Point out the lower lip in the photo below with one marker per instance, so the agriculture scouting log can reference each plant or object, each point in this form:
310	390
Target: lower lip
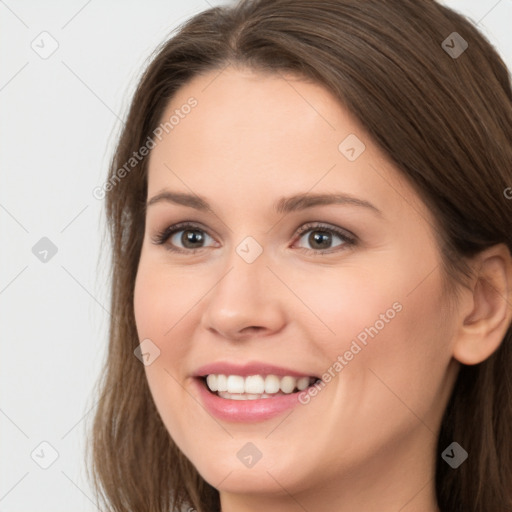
245	410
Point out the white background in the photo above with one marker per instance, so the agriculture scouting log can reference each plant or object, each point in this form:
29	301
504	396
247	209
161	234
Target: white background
58	124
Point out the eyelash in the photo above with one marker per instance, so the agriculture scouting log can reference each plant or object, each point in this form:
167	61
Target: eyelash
161	237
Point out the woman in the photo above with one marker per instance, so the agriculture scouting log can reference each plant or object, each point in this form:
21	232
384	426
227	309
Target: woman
312	276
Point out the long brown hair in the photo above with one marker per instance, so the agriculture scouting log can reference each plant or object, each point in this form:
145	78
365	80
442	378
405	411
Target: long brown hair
445	120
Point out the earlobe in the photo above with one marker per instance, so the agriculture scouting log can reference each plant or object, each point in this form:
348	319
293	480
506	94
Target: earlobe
483	328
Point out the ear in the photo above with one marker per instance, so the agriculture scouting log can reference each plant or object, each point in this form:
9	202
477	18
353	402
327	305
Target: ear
486	313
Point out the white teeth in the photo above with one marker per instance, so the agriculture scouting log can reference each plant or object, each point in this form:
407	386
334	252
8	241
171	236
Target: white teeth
244	396
288	384
211	380
272	384
236	387
302	383
235	396
254	384
236	384
222	383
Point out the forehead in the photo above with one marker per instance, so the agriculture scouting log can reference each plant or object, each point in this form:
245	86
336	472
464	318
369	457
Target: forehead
258	115
259	134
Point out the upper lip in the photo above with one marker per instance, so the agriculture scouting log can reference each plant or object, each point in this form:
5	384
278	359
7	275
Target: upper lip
250	368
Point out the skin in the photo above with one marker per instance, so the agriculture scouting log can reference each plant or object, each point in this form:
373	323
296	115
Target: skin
367	441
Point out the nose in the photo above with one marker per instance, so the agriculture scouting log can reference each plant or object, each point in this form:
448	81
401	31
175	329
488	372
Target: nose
248	301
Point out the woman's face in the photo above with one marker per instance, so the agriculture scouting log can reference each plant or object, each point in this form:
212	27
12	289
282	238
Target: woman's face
277	283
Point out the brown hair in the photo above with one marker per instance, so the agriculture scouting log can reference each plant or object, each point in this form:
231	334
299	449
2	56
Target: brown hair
445	122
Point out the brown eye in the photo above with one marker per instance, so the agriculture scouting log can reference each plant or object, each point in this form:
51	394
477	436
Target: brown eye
183	237
190	238
321	238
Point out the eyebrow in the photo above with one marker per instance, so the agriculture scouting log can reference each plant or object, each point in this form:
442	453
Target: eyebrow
283	205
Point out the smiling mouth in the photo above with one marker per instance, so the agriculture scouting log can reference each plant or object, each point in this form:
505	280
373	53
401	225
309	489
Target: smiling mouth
254	387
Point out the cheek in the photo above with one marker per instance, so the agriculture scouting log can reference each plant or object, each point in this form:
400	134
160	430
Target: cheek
388	337
163	300
399	375
422	345
161	304
345	304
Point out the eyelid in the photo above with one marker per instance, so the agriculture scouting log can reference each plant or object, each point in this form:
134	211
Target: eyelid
341	232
